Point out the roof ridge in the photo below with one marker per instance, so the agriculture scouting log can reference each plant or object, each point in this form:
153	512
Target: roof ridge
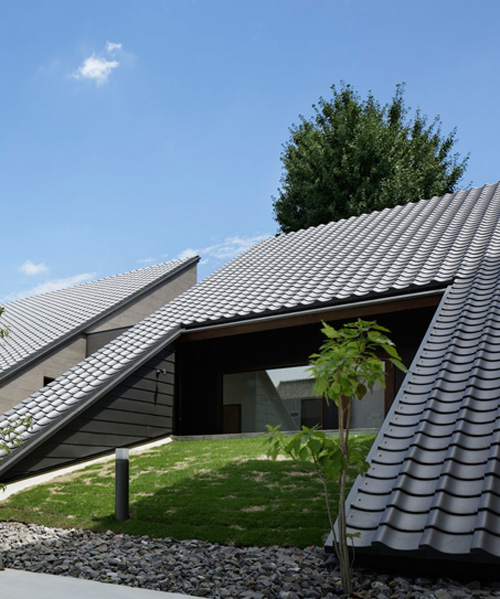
108	278
32	346
388	208
272	277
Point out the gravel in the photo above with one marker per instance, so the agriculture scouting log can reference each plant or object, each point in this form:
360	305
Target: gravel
209	570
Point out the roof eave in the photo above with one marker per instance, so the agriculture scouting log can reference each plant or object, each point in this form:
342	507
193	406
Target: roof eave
28	446
336	305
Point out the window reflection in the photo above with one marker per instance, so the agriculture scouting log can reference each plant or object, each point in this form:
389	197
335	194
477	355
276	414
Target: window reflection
285	396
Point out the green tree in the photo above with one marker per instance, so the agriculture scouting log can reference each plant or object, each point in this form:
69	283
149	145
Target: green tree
350	362
4	330
355	156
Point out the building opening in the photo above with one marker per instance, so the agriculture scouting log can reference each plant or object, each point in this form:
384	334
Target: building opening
285	396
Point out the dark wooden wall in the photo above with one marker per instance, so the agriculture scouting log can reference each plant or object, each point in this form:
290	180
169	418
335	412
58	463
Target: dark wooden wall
202	364
142	407
139	409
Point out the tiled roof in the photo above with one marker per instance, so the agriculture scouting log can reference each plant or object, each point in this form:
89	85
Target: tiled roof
391	250
434	481
383	252
39	323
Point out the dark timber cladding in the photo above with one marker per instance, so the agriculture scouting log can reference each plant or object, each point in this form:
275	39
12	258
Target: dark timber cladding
436	465
138	409
201	363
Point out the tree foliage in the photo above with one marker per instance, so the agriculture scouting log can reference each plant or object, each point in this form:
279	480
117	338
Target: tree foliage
4	330
350	362
355	156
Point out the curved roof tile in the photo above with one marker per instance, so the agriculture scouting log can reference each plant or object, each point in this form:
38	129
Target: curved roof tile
449	404
39	323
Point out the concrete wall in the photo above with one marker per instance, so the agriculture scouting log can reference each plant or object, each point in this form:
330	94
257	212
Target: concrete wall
240	389
52	365
30	380
136	311
270	407
98	340
260	402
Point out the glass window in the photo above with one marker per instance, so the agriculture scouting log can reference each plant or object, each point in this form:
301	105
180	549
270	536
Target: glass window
252	400
370	411
279	396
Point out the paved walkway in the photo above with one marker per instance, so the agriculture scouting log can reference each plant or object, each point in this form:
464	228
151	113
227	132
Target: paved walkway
19	584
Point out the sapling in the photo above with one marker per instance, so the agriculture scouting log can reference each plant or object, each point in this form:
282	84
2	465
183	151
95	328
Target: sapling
351	361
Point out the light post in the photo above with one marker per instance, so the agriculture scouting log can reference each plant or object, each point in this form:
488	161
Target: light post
121	484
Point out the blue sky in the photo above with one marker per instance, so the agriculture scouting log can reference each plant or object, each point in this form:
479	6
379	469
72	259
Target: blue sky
133	131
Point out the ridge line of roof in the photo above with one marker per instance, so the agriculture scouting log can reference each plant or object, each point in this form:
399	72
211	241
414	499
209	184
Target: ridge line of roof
77	330
85	283
450	195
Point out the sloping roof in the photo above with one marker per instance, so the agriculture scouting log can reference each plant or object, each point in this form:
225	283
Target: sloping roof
434	481
37	324
383	252
298	389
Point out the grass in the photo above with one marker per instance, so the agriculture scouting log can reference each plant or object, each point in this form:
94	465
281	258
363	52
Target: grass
223	491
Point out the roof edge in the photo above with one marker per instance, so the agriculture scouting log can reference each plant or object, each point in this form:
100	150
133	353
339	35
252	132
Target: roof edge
317	307
27	447
80	329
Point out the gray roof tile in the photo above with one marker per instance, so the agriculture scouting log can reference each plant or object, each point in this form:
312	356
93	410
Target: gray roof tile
454	455
40	322
448	408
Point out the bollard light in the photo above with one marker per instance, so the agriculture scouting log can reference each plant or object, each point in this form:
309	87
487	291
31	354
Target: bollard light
121	484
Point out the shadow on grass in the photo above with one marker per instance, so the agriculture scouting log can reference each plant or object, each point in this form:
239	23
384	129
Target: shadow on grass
203	490
253	502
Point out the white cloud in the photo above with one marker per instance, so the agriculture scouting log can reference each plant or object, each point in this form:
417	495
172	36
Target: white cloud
225	250
29	268
215	254
96	68
111	47
146	260
187	253
53	285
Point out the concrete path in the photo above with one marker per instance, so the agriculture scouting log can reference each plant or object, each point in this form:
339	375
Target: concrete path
19	584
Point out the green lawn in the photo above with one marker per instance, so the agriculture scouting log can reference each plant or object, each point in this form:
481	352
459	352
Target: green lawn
223	491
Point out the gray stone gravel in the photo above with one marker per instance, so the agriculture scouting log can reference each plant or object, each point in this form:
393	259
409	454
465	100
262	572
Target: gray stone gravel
206	569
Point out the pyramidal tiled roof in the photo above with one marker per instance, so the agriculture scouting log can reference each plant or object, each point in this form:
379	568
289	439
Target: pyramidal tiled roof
37	324
384	252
